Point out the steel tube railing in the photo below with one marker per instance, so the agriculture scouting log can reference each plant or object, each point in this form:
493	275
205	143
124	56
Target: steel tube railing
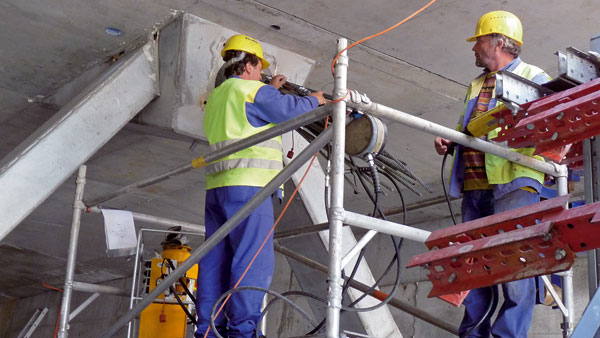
455	136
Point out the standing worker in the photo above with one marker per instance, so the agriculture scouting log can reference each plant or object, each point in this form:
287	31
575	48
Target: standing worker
489	183
238	108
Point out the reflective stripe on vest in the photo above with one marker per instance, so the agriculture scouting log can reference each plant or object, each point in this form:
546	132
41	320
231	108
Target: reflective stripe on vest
265	144
258	163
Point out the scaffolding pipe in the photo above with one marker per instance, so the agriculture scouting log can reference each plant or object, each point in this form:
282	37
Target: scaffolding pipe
416	312
429	127
567	278
158	220
287	234
284	127
386	227
95	288
78	208
334	280
588	188
134	282
224	229
555	295
359	246
83	305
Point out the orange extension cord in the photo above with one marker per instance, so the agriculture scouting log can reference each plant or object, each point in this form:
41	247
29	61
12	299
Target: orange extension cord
380	33
314	157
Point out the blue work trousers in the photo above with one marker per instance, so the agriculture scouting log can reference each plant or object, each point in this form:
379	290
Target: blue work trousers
221	268
514	317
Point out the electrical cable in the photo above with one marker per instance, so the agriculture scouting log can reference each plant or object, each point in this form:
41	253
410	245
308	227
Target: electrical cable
380	33
395	258
377	191
286	294
185	309
182	282
227	295
488	312
450	150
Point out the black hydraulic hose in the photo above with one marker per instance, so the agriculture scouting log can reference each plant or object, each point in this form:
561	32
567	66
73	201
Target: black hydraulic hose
185	309
450	149
396	257
488	312
182	282
253	288
286	294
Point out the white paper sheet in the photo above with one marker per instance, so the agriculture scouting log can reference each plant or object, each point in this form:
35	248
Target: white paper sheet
121	238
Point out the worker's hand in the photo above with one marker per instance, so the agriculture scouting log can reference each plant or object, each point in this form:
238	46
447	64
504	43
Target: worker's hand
320	97
441	145
278	80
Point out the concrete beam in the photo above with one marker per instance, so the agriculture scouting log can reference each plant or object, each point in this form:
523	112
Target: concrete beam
41	163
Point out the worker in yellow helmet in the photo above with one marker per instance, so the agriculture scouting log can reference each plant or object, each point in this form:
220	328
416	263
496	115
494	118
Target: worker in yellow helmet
240	107
490	184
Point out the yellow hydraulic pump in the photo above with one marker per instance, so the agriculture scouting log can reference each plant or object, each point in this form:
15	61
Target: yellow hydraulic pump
166	318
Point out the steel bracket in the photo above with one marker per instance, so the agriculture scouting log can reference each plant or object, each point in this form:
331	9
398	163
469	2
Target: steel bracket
526	242
578	66
516	89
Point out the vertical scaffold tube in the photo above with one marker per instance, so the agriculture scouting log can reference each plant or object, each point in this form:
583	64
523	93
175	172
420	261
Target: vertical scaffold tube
334	302
78	208
567	279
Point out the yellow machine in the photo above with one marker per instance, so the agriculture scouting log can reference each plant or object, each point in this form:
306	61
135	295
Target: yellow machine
167	319
486	122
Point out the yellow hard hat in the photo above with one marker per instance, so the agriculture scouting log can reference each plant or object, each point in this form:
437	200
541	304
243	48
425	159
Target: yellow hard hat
245	44
500	22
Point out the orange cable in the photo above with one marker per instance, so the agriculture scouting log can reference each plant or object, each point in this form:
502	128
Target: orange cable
380	33
269	234
52	287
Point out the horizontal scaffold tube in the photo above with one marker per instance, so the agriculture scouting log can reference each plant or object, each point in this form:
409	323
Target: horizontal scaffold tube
165	222
408	120
386	227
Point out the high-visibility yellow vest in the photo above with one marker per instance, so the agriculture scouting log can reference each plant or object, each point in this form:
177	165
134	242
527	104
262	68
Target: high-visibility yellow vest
225	122
499	170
